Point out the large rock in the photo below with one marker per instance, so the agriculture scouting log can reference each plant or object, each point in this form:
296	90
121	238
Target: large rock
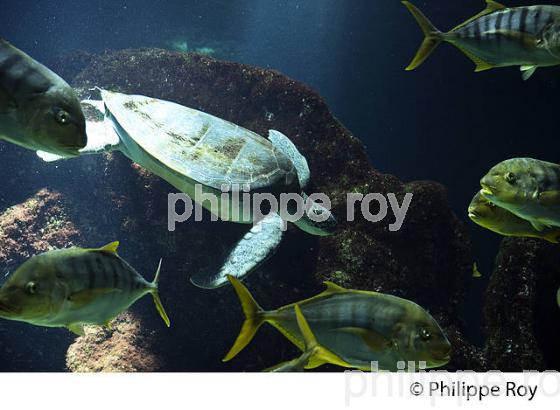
125	347
523	319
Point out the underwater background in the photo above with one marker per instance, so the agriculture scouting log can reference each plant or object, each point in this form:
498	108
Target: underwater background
442	123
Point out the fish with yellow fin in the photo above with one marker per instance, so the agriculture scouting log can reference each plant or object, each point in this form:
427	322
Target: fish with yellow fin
73	287
357	327
475	272
499	36
528	188
312	349
485	213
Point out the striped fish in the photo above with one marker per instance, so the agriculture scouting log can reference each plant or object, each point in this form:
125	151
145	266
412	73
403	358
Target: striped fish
528	37
312	349
75	286
490	216
528	188
38	109
354	327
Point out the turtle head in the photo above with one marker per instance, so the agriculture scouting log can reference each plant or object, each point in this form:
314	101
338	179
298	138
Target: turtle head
317	220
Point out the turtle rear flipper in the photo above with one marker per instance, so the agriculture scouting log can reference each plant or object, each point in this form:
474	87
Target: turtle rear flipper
251	251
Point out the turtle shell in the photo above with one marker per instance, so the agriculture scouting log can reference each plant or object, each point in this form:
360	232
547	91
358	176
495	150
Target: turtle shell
207	149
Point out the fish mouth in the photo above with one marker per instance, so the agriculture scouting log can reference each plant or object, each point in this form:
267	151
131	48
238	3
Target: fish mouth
472	214
487	189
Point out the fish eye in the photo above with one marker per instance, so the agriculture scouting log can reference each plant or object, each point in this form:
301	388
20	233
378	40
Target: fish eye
62	117
425	334
511	177
491	205
31	288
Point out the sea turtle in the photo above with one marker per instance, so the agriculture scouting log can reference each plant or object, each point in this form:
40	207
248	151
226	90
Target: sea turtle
191	149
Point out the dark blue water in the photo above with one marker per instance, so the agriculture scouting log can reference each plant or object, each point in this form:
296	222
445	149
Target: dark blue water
442	122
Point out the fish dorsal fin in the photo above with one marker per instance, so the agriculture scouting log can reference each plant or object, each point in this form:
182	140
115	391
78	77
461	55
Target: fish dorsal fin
110	247
494	5
480	64
87	296
491	7
375	341
333	288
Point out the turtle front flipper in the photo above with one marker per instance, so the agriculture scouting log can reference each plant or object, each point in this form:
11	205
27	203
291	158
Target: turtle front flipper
287	147
251	251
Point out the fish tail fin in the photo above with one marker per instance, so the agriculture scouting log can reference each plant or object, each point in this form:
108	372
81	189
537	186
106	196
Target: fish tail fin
433	37
154	291
254	318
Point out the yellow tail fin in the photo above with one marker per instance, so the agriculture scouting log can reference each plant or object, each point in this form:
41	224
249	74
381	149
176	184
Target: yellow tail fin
254	318
157	300
432	36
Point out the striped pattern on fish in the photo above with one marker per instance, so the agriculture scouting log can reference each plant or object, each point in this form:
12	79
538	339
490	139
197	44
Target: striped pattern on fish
355	327
72	287
527	187
38	109
21	76
528	37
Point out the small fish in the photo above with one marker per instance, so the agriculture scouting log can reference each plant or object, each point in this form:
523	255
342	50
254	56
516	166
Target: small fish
312	349
358	327
528	188
38	109
75	286
475	272
490	216
528	37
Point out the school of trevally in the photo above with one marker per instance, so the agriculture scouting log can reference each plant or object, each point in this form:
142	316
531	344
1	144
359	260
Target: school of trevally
283	186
